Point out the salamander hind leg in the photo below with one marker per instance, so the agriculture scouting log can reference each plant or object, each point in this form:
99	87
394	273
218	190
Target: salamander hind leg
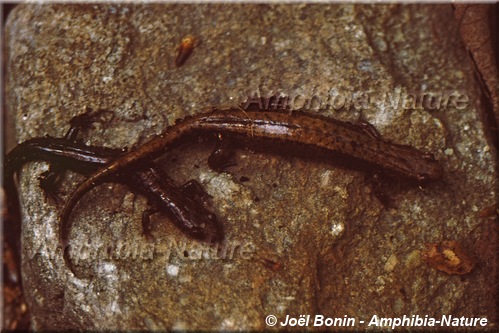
50	180
49	183
86	120
222	155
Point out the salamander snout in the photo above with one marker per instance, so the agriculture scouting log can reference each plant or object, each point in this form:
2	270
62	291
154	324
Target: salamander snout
433	172
209	230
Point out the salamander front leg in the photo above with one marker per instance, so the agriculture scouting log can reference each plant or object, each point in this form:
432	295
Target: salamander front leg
193	190
146	221
368	128
377	184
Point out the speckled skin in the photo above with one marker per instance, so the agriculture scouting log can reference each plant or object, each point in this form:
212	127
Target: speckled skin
300	129
56	59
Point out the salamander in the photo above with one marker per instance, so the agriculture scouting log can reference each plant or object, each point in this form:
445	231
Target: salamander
298	133
150	180
184	205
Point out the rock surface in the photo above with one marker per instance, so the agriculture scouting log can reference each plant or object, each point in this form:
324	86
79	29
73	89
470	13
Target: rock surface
308	237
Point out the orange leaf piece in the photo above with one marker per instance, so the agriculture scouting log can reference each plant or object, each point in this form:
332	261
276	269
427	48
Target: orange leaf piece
448	257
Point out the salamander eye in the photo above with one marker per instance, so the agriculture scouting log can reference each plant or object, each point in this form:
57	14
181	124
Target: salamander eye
429	157
422	177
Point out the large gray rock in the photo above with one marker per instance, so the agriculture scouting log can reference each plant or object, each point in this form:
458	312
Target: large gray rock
309	237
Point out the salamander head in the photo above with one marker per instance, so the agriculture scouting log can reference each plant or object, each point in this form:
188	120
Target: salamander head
208	228
429	169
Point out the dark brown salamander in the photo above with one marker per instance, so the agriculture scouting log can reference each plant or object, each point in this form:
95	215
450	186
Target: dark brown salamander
188	214
292	133
185	205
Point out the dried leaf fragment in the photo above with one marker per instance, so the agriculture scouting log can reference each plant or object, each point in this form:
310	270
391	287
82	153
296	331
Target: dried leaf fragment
448	257
184	50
